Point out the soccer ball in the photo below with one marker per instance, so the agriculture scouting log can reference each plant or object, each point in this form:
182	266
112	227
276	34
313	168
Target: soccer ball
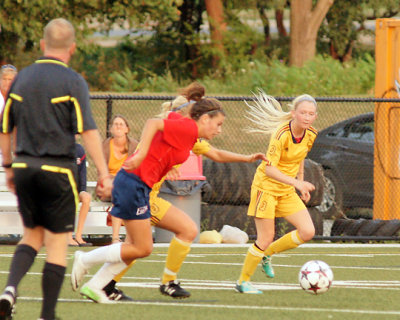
315	277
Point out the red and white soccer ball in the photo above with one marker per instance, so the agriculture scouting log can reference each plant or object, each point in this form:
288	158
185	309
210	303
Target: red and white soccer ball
315	277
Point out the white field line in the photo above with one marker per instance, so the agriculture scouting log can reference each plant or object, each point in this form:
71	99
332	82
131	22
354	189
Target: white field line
277	265
233	307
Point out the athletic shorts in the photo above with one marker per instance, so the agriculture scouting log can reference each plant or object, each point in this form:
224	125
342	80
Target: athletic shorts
130	197
158	207
47	192
267	206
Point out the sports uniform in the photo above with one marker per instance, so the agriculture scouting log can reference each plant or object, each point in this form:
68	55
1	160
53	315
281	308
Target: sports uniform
48	103
271	198
168	148
47	122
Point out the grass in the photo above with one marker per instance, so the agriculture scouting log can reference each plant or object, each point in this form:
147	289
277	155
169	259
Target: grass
366	286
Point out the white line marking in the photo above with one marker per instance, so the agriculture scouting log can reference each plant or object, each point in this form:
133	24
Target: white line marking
225	306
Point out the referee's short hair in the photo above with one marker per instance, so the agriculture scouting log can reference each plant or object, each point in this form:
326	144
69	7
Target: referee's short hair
59	34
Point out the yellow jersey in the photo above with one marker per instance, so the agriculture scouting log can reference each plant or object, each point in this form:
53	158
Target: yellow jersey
286	154
199	148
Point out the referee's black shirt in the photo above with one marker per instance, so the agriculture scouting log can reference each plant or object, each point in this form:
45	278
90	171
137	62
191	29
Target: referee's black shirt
48	103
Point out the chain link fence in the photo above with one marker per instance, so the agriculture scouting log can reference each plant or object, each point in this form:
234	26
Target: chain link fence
343	157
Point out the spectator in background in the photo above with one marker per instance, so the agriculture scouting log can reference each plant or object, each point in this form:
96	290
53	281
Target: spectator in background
116	150
84	198
7	75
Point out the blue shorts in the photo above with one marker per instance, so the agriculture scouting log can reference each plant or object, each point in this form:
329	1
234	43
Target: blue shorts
130	197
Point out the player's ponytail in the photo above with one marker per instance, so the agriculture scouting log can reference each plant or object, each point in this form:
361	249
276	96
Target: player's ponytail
267	114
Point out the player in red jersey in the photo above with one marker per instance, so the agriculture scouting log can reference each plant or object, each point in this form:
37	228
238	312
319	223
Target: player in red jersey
164	143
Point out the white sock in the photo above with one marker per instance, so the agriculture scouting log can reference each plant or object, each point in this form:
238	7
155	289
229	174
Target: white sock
105	274
111	253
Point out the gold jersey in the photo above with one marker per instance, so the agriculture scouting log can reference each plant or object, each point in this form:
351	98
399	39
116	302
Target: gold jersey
286	154
199	148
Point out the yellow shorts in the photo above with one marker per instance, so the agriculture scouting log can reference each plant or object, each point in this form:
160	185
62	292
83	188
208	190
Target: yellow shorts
158	208
267	206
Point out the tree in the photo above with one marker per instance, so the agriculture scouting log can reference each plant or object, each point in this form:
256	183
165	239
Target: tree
345	22
218	26
22	22
305	20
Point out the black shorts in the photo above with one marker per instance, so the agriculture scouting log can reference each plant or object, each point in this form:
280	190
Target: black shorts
47	192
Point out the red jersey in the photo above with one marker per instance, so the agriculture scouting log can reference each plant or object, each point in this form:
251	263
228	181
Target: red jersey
168	148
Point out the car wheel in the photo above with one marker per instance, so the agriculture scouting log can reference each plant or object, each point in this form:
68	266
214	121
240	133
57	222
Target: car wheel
332	200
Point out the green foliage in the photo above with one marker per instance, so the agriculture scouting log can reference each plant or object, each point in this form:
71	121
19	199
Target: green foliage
345	21
322	76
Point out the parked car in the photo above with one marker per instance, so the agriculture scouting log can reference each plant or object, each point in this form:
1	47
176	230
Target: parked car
346	152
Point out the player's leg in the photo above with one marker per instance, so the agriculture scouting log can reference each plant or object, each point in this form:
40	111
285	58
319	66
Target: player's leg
265	233
185	230
23	258
85	199
292	208
53	271
116	226
138	244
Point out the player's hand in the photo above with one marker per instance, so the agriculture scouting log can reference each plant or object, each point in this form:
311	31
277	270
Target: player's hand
132	163
104	187
306	197
173	174
305	188
257	156
10	180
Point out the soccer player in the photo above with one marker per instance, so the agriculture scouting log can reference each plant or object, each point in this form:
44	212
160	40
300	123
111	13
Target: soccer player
167	216
273	190
48	103
164	143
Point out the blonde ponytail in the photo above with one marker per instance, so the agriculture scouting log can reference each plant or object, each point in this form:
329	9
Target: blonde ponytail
266	114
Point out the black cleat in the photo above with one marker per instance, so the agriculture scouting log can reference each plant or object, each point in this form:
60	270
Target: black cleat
174	290
118	295
7	304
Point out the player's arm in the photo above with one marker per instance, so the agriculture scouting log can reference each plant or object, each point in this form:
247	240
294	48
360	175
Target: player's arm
151	127
303	186
300	174
219	155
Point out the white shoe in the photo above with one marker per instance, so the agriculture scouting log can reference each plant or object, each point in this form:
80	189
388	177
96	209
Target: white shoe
78	271
96	295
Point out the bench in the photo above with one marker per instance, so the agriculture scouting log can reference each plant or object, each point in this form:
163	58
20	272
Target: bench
10	220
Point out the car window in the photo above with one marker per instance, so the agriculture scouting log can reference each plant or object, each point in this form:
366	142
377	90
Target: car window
360	131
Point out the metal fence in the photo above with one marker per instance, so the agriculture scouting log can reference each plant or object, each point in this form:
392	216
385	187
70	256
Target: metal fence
348	193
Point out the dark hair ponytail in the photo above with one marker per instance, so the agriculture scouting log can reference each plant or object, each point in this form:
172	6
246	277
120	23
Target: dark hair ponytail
209	106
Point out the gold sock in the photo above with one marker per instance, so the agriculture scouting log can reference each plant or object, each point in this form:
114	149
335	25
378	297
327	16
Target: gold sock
119	276
288	241
177	253
253	258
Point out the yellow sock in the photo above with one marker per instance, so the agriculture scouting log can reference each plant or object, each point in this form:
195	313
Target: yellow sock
288	241
253	258
177	253
119	276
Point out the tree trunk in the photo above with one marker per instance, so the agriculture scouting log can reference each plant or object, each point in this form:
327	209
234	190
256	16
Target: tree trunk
279	23
265	21
304	24
218	26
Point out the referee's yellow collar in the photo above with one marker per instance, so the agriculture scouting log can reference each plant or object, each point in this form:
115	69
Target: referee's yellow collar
50	60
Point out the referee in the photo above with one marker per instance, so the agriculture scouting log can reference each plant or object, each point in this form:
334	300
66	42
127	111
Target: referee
47	105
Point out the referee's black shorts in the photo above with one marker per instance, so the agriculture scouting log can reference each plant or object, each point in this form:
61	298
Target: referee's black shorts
47	192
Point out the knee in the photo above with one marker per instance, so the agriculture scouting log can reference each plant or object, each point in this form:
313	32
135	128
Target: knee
264	241
307	234
146	250
85	197
189	233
